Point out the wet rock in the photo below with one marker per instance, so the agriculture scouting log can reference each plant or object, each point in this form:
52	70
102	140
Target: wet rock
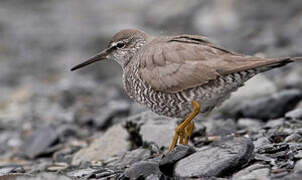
166	165
271	107
295	114
255	171
218	159
113	142
142	169
40	141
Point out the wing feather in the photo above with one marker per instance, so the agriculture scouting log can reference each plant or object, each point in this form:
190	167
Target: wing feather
181	62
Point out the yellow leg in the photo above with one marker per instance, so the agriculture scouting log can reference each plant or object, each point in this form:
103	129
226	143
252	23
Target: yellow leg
180	130
188	131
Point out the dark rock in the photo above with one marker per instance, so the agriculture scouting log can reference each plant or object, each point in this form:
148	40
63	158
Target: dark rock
166	165
142	169
271	107
219	159
40	141
295	114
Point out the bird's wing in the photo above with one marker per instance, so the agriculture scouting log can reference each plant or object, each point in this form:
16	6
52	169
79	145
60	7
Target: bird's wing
186	61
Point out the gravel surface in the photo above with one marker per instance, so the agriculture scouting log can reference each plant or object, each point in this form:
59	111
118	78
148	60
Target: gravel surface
57	124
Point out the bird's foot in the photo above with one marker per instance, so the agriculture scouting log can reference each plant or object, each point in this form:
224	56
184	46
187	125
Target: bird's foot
184	131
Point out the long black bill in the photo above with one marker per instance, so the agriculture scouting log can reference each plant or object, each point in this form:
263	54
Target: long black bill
100	56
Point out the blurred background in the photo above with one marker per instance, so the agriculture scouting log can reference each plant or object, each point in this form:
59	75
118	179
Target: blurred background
40	40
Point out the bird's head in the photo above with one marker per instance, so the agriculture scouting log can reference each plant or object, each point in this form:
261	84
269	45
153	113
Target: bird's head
121	48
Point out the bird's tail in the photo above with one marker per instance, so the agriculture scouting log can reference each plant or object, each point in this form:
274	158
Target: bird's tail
279	62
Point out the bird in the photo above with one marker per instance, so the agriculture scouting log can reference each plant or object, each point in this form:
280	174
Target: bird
180	76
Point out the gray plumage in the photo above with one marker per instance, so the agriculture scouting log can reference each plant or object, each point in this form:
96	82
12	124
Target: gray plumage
167	73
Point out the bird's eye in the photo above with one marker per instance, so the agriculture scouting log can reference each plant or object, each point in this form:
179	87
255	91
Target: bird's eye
120	45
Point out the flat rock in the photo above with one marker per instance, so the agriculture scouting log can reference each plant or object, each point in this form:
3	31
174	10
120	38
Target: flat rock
129	158
295	114
179	152
113	142
271	107
142	169
39	142
11	169
218	159
255	171
44	176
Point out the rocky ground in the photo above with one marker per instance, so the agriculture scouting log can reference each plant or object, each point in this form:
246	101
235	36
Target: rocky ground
57	124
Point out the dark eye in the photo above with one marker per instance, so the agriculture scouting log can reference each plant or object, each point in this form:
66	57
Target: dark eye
120	45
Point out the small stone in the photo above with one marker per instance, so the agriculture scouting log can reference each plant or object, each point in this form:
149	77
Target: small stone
11	169
40	141
65	155
142	169
57	167
295	114
113	142
293	138
298	155
260	142
218	159
180	152
81	173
